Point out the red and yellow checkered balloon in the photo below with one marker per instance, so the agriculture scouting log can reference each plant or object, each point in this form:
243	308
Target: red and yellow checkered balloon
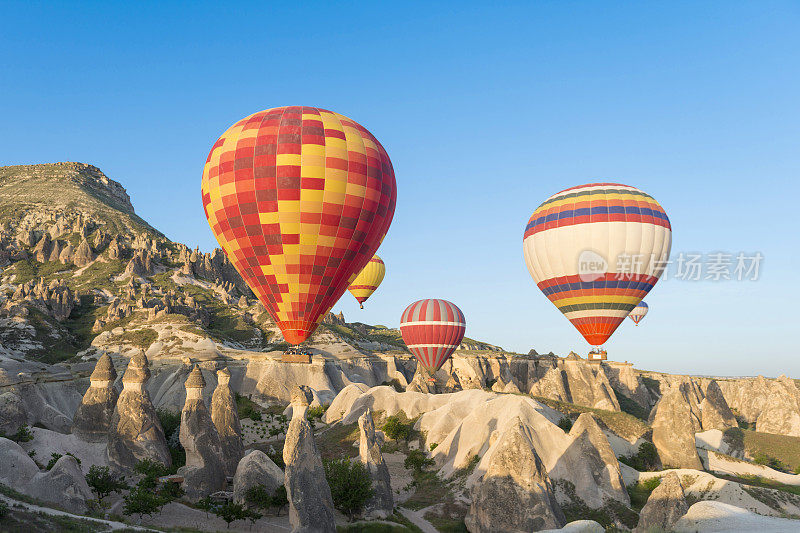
299	198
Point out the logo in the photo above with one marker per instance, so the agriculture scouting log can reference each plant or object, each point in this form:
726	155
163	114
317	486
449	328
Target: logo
591	265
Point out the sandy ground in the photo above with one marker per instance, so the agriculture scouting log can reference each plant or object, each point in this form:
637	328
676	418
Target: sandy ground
399	476
178	515
708	517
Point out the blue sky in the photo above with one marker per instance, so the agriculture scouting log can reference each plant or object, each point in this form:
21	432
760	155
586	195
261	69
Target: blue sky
485	111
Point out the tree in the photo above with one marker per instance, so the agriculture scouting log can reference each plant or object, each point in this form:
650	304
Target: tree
103	482
231	512
395	429
259	497
143	501
417	461
350	483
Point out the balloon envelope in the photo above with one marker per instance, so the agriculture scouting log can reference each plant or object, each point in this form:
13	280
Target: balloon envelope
639	312
595	251
432	329
299	198
368	280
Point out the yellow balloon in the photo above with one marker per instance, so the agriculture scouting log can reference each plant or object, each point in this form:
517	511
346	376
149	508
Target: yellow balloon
368	280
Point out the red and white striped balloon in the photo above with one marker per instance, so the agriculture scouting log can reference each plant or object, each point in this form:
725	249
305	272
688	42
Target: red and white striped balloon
432	329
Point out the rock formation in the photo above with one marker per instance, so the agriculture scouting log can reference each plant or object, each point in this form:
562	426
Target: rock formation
63	485
12	413
310	502
515	493
254	469
17	467
673	431
781	411
381	504
135	432
714	410
93	418
226	420
204	472
599	479
665	506
83	254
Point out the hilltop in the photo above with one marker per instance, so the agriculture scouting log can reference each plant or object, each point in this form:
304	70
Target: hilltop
82	273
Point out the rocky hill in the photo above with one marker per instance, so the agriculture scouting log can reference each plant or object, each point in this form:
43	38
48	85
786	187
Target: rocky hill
82	273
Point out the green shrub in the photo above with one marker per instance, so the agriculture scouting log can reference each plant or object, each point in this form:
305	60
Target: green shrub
396	429
151	471
433	445
142	501
260	497
315	413
23	434
170	421
103	482
417	461
54	457
3	509
644	460
565	423
350	483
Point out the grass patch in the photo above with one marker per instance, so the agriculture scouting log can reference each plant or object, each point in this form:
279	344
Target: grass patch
337	441
30	269
142	337
623	424
640	491
628	405
782	451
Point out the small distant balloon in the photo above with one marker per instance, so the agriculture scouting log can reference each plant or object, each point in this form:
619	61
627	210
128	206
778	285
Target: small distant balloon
368	280
639	312
432	329
595	251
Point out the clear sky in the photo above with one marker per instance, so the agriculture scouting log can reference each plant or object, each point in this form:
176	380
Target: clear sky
485	112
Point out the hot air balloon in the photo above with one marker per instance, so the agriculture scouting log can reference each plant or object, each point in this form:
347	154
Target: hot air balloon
639	312
595	251
299	198
432	329
368	280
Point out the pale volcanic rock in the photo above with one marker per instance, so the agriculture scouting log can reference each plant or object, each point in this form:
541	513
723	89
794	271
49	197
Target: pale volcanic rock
421	382
714	410
226	420
17	467
665	506
381	505
600	479
310	502
781	411
93	418
255	468
673	431
66	254
515	494
43	249
12	413
83	254
204	472
135	432
63	485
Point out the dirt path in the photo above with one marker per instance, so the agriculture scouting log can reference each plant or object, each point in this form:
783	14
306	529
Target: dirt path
54	512
416	518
